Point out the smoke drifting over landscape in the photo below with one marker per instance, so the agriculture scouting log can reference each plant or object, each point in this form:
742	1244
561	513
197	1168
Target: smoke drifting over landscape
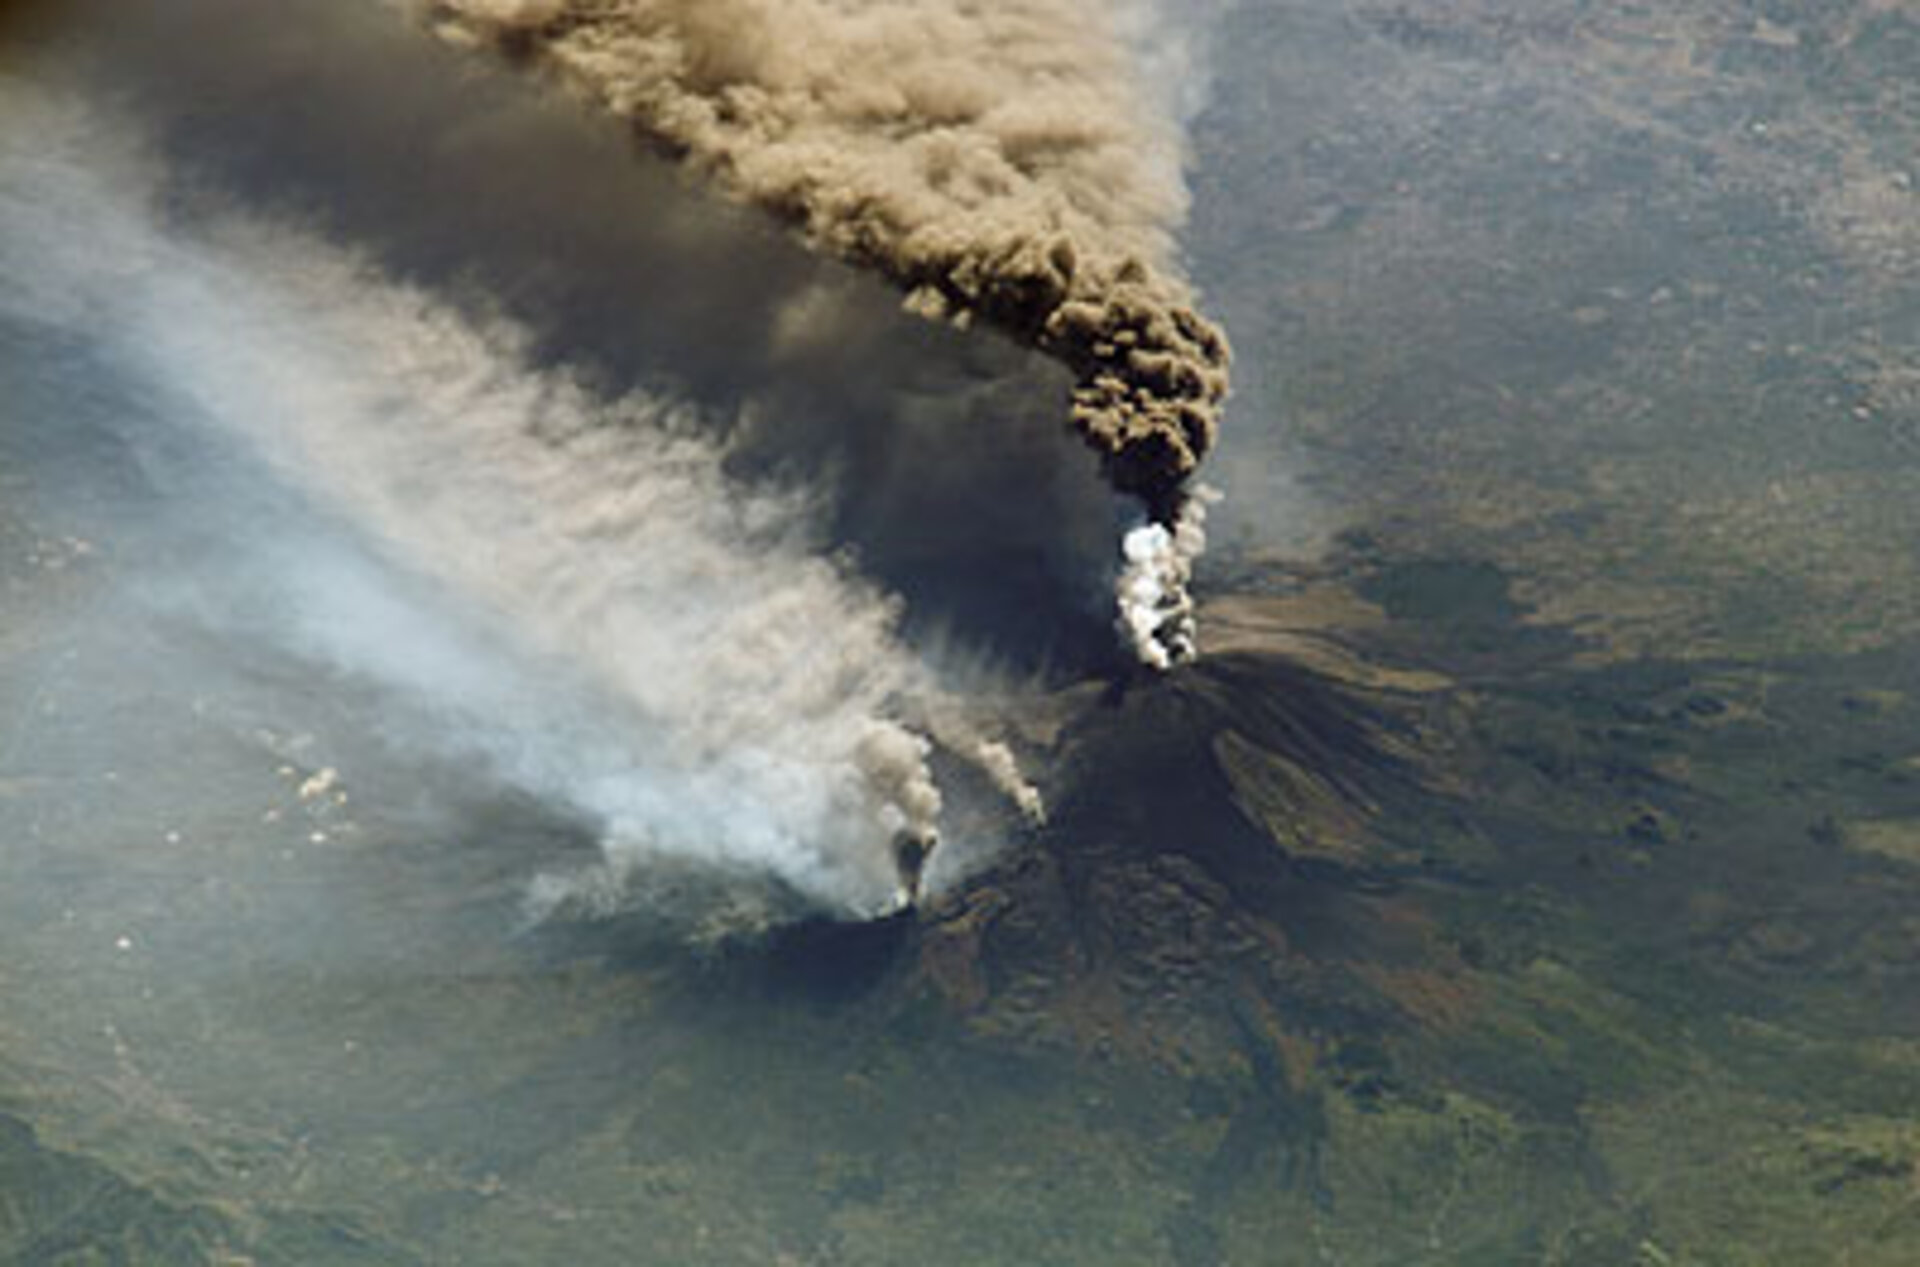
595	611
622	497
1000	162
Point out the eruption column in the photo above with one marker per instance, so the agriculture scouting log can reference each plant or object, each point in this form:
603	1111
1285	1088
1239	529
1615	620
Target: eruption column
997	161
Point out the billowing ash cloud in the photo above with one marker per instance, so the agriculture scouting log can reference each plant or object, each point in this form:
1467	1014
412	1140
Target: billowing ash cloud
995	160
939	451
641	505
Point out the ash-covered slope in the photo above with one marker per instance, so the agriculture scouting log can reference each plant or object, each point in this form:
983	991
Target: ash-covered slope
1218	854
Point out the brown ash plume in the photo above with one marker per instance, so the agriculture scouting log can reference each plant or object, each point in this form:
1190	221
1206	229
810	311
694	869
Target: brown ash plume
994	160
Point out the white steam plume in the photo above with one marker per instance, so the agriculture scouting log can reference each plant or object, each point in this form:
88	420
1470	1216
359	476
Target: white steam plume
596	611
1156	607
